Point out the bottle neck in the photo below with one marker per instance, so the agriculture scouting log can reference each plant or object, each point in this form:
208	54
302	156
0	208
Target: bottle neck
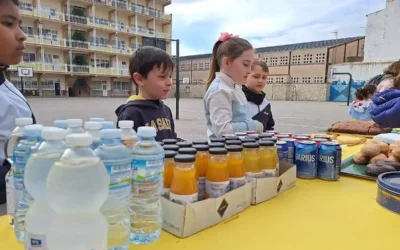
111	141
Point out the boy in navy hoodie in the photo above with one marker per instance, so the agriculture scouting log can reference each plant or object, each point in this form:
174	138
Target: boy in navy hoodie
151	70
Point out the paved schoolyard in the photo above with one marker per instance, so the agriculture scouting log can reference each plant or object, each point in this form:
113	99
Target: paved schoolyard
296	117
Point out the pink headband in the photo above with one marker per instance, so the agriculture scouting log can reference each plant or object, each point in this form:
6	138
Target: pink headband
225	36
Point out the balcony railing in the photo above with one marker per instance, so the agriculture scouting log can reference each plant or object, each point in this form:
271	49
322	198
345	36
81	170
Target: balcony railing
78	68
46	41
39	66
78	44
76	19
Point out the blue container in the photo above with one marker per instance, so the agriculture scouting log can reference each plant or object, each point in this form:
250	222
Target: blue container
329	161
291	143
283	151
389	191
306	159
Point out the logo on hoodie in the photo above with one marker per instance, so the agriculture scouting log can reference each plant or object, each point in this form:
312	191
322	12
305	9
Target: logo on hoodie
160	124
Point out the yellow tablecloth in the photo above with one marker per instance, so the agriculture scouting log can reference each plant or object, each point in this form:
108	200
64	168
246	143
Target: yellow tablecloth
314	215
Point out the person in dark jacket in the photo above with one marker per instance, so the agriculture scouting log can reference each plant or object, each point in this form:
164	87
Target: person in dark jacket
259	107
386	107
151	70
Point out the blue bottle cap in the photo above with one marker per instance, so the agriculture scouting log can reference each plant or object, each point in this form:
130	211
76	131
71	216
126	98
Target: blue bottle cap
147	132
390	181
110	133
34	130
107	125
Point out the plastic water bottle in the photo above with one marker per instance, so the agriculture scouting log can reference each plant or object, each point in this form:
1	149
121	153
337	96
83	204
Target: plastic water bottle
96	119
93	128
118	161
75	126
76	188
61	124
128	135
107	125
147	181
28	145
12	141
40	215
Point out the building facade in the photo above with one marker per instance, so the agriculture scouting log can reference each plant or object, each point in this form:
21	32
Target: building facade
303	63
82	47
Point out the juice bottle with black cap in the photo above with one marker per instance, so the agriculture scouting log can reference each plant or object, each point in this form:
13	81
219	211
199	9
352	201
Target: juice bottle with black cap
201	165
217	176
184	184
169	167
251	160
237	174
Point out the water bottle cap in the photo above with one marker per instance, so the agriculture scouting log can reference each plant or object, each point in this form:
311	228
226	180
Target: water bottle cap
110	133
125	124
34	130
147	132
96	119
92	125
107	125
79	140
75	122
52	133
61	123
23	121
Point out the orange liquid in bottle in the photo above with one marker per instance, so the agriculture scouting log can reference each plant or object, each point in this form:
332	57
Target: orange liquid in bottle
237	174
267	162
184	184
251	160
201	165
169	167
217	176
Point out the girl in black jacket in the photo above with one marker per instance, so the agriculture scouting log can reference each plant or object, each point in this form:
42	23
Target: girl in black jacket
259	107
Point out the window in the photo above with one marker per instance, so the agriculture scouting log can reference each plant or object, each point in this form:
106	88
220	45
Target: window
48	58
182	67
48	84
320	58
29	57
307	59
122	86
284	60
270	80
100	21
100	41
26	6
306	79
279	79
98	85
49	34
295	80
274	60
188	66
194	66
318	79
31	84
296	59
28	31
100	63
135	45
201	66
265	59
207	65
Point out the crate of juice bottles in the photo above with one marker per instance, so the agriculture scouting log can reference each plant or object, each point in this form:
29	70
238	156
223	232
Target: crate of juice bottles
204	184
268	160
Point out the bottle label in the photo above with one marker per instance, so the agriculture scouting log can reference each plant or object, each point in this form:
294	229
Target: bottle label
10	190
35	242
120	179
255	175
165	193
183	199
269	173
237	182
217	189
148	170
201	187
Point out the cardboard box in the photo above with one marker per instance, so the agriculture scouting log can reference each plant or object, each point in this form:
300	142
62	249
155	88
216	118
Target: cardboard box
183	221
267	188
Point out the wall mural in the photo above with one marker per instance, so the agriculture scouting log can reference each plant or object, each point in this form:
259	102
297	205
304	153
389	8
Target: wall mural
338	90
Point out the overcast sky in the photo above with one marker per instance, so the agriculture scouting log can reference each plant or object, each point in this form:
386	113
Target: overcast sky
198	23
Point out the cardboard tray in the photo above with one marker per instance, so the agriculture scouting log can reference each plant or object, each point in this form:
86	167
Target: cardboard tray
267	188
352	169
183	221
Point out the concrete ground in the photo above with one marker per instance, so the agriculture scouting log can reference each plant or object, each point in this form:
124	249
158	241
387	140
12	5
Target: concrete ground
295	117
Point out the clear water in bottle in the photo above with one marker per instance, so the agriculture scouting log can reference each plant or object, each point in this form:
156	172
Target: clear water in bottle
61	124
118	161
12	141
128	135
93	128
28	145
40	215
76	188
75	126
147	181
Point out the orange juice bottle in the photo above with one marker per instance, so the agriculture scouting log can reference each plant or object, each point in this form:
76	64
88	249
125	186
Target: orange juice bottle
187	151
237	175
169	167
184	184
267	158
217	176
251	160
201	165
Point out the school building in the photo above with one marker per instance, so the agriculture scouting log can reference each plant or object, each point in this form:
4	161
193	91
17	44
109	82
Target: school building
295	69
82	47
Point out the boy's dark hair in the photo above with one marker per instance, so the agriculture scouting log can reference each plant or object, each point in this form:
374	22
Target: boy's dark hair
146	58
16	2
364	92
